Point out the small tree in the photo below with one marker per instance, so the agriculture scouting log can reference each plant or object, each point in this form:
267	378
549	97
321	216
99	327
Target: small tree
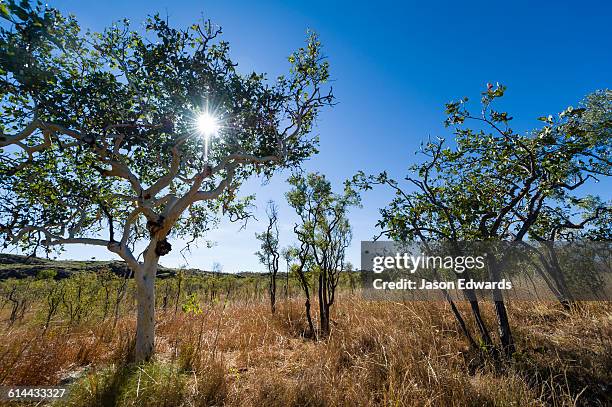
496	184
288	254
572	219
268	254
217	268
349	269
324	231
100	143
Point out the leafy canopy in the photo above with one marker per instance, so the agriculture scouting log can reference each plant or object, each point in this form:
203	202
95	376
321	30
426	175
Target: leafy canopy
495	183
97	130
324	227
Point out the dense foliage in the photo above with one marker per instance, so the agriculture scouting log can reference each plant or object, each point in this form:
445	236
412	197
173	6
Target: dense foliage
98	129
496	183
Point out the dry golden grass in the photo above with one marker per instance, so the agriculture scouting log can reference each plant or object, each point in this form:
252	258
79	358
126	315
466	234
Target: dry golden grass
379	353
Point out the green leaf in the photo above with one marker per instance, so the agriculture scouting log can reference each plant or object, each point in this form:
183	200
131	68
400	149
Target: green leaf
4	11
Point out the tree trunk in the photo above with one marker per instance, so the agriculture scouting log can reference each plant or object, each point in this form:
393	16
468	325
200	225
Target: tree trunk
272	290
553	286
287	282
326	330
145	296
460	320
304	283
566	299
309	316
482	328
503	324
273	294
470	295
505	333
323	305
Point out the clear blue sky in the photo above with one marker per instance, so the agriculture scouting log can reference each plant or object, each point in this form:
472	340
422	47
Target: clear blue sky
394	65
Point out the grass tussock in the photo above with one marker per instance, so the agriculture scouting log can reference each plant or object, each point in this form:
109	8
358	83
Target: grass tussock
152	384
378	354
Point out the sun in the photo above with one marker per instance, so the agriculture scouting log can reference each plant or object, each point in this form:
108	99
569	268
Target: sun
207	124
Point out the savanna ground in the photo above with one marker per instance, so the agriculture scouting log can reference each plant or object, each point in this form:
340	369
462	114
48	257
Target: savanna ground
218	344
